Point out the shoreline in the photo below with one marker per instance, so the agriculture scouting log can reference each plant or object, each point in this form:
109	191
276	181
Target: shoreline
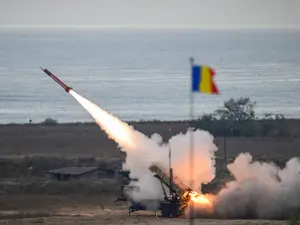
147	121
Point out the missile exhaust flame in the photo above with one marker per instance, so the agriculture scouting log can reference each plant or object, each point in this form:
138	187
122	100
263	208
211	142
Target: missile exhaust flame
200	199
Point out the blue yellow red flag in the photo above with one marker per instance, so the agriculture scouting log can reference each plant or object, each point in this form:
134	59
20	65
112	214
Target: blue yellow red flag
202	80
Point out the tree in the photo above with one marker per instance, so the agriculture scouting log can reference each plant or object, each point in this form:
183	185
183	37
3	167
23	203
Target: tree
49	121
237	109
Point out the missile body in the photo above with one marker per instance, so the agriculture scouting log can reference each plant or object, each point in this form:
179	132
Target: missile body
55	78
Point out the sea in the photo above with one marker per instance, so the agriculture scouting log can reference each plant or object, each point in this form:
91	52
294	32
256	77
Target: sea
144	74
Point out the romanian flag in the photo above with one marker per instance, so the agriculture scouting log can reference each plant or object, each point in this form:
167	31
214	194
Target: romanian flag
202	80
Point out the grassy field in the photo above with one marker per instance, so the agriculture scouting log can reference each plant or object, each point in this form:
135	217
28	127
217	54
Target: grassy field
28	151
87	140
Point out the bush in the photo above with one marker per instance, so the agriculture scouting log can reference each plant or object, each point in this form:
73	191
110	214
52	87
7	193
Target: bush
49	121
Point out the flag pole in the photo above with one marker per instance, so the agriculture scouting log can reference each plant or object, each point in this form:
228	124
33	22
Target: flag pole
170	170
191	138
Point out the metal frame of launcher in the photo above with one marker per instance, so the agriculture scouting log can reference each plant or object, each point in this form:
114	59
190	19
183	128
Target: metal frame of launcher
173	205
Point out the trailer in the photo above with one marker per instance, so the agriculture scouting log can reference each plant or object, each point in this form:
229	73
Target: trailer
174	204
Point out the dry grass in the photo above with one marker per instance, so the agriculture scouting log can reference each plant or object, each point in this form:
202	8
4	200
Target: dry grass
35	202
36	209
266	147
127	220
87	140
82	210
87	187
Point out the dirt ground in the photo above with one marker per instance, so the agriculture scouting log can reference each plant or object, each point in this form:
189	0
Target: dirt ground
126	220
110	215
83	210
88	210
85	140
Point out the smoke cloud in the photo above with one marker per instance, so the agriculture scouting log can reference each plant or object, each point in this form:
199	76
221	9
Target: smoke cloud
204	157
259	190
142	151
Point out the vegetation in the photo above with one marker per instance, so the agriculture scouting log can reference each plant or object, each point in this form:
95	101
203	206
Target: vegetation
237	117
34	186
28	175
49	121
37	166
294	221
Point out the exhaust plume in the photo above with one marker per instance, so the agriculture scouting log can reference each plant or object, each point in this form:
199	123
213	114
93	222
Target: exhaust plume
142	151
259	190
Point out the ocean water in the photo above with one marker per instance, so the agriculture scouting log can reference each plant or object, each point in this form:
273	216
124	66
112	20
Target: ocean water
144	74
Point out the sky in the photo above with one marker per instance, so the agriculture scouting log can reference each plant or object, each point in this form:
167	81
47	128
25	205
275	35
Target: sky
200	13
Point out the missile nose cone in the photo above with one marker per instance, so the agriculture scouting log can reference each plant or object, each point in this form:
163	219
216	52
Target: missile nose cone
42	68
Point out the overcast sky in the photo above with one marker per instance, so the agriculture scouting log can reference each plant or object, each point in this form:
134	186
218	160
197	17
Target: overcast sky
208	13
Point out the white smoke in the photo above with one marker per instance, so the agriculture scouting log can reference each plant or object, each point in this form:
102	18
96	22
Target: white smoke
204	169
260	190
204	157
142	151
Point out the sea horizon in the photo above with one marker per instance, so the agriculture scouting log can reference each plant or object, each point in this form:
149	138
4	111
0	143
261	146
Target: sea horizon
144	75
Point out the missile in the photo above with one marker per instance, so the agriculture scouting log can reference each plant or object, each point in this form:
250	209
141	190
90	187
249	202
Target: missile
57	80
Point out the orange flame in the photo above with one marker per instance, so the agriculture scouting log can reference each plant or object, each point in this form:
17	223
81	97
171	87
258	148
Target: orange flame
200	199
